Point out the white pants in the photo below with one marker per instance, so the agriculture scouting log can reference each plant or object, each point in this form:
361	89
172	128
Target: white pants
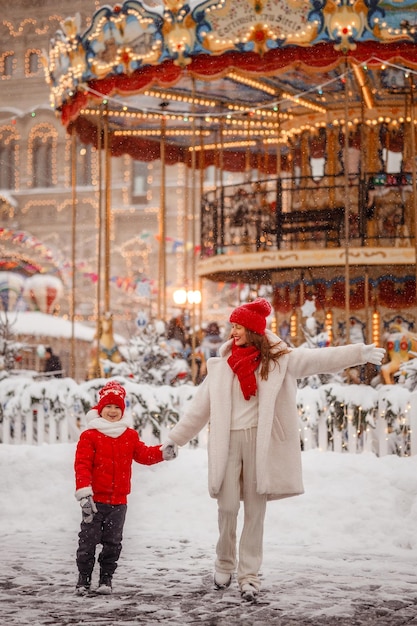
240	479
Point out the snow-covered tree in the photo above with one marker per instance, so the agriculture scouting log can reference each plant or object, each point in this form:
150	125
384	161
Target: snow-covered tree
148	359
407	374
9	347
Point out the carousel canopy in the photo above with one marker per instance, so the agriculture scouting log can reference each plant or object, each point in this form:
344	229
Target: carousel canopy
247	76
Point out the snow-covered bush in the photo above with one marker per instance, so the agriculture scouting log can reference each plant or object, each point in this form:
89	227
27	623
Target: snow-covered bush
149	359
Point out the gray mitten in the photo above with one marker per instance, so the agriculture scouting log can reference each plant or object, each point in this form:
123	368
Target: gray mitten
169	450
88	508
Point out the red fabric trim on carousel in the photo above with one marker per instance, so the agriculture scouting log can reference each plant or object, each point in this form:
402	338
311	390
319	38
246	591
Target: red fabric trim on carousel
319	57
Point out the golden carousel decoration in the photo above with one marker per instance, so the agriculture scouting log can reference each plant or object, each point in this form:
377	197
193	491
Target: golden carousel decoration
311	104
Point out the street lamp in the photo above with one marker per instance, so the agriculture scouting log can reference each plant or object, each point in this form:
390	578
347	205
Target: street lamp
182	297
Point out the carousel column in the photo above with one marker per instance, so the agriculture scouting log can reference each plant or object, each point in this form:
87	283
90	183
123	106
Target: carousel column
362	193
332	149
162	230
73	252
408	158
107	213
305	173
305	166
202	159
248	164
218	195
347	207
195	299
279	192
368	316
221	182
186	222
413	168
372	166
94	366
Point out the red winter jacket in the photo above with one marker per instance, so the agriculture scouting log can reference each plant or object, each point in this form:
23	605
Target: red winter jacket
105	463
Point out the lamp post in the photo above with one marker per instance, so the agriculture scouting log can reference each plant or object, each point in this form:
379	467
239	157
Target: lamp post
182	298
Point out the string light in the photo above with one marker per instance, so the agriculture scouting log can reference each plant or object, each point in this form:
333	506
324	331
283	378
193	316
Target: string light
252	82
293	325
219	146
376	327
329	325
178	132
175	96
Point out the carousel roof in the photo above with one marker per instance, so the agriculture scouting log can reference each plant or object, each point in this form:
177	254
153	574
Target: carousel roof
250	74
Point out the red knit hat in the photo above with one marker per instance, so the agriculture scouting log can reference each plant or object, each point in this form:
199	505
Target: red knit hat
111	393
252	315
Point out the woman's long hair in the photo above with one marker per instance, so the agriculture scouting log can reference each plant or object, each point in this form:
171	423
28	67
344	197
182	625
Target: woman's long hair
270	352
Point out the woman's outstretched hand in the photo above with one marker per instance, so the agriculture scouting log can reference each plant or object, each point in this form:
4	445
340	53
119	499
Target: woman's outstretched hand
373	354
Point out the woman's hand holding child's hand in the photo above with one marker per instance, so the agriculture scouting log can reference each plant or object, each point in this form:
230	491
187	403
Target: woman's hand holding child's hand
169	450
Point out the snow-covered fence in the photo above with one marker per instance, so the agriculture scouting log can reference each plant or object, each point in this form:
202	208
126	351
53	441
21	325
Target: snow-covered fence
359	418
53	411
332	417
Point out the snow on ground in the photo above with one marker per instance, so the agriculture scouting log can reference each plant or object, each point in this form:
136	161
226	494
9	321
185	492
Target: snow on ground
343	553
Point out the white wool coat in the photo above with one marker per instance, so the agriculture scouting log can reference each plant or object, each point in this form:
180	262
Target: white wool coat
278	449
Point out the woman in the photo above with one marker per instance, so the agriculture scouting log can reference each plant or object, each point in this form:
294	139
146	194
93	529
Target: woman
249	397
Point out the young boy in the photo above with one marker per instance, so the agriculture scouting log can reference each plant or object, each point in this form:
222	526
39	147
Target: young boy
103	469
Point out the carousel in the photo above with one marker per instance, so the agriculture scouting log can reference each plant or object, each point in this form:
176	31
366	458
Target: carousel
310	104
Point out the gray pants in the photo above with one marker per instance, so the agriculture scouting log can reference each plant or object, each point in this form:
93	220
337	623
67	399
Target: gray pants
107	529
240	480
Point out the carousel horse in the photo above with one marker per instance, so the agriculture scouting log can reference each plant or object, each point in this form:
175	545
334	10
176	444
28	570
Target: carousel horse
401	347
107	348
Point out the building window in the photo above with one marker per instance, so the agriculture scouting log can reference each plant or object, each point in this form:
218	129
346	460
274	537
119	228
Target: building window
42	162
7	165
84	165
32	62
42	155
7	64
139	181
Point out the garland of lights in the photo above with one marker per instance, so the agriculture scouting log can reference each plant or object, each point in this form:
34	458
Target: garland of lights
22	238
233	117
267	109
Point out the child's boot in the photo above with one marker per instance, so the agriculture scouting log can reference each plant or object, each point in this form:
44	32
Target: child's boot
83	585
104	586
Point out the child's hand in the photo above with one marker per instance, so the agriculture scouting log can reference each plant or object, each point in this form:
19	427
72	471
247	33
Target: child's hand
88	508
169	450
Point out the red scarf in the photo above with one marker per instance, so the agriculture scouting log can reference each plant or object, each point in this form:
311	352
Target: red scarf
244	361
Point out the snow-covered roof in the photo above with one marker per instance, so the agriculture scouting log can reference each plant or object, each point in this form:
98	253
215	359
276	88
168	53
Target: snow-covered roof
40	324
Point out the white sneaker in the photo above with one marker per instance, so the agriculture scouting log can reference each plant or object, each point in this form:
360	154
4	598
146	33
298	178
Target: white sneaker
222	580
248	592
